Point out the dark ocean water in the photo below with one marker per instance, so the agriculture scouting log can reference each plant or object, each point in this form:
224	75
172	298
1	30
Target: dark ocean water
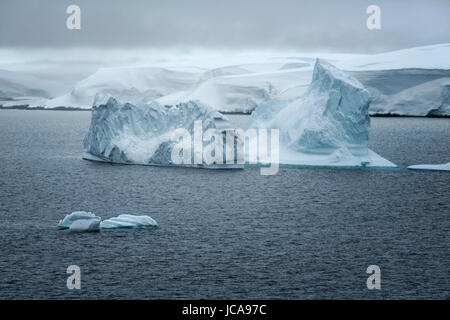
303	233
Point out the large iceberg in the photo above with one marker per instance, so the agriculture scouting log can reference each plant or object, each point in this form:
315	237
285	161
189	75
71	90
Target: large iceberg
144	133
327	126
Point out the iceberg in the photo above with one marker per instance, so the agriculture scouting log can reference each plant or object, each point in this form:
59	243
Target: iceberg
327	126
85	225
128	221
80	221
439	167
144	133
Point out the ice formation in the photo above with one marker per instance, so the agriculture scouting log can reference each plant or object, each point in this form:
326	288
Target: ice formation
439	167
80	221
413	82
327	126
144	134
133	84
409	82
410	92
128	221
85	225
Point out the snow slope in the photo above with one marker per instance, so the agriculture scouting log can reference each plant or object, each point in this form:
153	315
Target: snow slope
410	82
327	126
130	84
228	88
16	85
426	57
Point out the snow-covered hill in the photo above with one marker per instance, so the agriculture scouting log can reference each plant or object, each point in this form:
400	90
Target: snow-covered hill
15	85
412	82
21	88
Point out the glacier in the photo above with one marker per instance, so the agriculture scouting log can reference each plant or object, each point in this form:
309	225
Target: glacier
408	82
437	167
143	133
327	126
132	84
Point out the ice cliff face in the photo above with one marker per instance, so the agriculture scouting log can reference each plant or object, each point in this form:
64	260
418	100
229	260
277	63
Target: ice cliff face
409	82
143	134
328	125
408	92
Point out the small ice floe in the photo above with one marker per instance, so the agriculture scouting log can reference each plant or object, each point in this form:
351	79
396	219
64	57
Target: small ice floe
128	221
80	221
440	167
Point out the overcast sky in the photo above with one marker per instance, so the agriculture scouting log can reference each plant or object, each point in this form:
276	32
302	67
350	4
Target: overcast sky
319	25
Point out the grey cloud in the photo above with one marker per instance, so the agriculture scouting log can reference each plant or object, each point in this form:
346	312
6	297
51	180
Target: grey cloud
326	25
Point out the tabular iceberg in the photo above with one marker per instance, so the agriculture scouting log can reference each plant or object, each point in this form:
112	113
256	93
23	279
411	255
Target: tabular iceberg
327	126
80	221
144	133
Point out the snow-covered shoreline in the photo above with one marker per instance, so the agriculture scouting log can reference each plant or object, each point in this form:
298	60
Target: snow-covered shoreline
409	82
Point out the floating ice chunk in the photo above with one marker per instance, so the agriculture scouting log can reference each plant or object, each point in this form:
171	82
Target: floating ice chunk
128	221
81	221
440	167
85	225
328	126
76	216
